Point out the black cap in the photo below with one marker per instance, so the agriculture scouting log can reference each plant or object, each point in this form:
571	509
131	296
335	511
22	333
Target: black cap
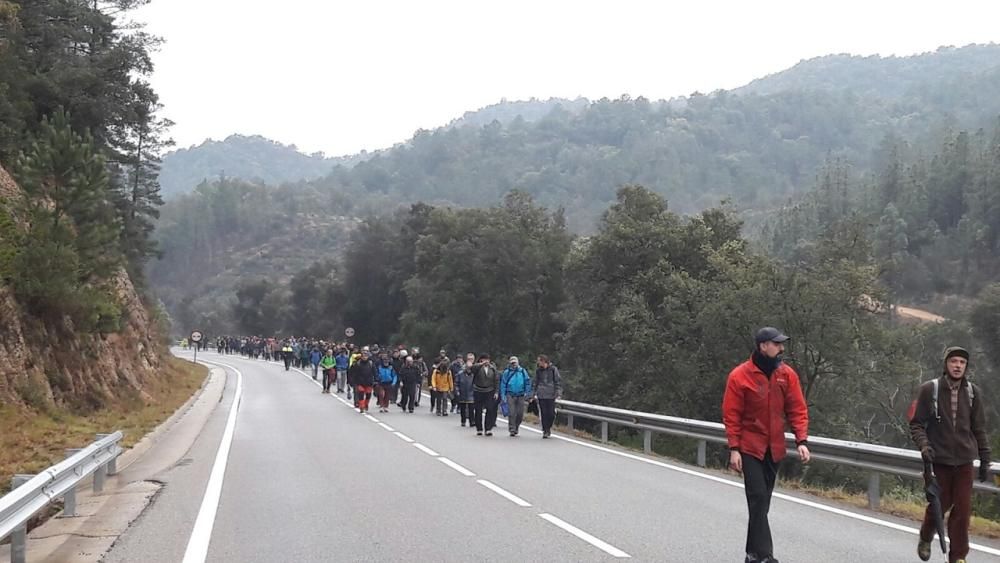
770	334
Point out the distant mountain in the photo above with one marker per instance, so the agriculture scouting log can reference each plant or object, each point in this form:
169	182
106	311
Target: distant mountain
885	77
506	112
251	158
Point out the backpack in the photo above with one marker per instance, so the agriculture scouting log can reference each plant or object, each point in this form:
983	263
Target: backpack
936	384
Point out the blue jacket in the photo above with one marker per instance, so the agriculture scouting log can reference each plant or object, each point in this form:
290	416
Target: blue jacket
387	375
515	382
463	386
315	357
343	360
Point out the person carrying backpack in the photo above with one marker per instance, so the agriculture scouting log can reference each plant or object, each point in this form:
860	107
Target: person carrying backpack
362	376
547	388
385	382
314	358
328	365
515	388
948	425
442	386
463	389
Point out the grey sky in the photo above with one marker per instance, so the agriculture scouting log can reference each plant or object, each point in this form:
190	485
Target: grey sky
342	76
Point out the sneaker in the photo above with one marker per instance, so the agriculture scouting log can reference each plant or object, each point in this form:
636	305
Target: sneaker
489	433
545	435
463	425
513	434
411	411
444	414
479	432
924	550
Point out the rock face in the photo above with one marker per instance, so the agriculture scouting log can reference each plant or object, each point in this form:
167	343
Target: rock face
41	364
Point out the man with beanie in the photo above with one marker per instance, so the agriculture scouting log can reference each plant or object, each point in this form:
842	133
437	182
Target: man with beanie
762	394
948	424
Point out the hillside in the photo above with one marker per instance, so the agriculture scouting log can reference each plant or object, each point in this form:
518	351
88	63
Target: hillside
252	158
756	150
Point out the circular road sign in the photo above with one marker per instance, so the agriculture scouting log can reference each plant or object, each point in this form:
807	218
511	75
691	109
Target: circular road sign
196	336
349	332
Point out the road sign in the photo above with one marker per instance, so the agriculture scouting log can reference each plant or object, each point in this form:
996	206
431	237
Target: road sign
196	336
349	332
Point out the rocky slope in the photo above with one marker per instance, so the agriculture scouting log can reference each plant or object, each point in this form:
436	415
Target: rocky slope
43	365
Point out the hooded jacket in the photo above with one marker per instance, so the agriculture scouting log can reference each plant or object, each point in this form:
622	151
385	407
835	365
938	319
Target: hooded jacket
361	373
442	381
515	381
463	386
955	441
548	384
387	375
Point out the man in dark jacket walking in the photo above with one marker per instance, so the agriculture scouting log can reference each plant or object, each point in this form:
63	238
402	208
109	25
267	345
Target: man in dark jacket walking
547	388
361	376
948	424
486	394
409	375
761	394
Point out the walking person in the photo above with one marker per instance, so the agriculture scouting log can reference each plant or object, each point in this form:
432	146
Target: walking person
762	394
361	376
385	383
286	355
463	390
455	367
547	388
442	385
515	388
948	424
410	376
342	363
425	374
486	394
315	356
329	366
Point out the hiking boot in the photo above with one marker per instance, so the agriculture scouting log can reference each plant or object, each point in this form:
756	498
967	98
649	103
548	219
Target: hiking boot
924	550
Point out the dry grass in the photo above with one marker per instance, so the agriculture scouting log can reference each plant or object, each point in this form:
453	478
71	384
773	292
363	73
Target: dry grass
32	441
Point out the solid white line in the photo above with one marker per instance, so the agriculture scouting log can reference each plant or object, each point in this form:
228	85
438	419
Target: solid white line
456	466
371	418
387	427
201	535
404	437
425	449
599	544
505	494
782	496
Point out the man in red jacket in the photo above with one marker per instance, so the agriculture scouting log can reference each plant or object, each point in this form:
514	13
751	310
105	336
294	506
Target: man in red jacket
761	394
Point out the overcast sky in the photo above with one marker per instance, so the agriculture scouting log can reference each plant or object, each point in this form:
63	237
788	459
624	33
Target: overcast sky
340	76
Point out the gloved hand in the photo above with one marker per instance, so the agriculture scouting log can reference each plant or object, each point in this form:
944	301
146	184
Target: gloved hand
927	453
984	469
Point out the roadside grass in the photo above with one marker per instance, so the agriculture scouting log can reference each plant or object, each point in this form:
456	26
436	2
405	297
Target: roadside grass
35	439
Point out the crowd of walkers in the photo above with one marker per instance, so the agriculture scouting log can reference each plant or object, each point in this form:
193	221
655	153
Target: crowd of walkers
471	387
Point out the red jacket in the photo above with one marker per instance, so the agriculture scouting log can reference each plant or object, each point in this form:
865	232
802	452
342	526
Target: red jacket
754	410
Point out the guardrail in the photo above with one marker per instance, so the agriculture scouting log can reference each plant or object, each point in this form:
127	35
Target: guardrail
32	493
877	459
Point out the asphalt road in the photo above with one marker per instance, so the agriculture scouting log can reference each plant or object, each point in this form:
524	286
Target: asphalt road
309	479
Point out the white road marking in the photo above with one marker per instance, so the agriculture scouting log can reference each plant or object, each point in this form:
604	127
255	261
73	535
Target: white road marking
404	437
505	494
456	466
426	450
372	418
386	426
596	542
201	535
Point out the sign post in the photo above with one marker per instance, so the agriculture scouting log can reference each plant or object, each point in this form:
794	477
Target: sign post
196	337
349	332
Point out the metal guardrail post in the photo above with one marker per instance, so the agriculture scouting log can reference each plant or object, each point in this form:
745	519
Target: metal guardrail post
99	475
874	490
647	441
569	421
19	539
69	499
702	445
113	464
604	431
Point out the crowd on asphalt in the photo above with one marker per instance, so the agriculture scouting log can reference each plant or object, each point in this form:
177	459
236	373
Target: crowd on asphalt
470	386
763	395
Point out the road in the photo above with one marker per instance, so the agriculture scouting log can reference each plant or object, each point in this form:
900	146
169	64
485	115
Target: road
308	478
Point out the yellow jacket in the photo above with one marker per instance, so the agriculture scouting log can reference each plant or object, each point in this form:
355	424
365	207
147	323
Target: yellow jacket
442	381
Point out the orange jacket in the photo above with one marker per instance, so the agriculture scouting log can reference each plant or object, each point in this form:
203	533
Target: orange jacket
442	381
755	408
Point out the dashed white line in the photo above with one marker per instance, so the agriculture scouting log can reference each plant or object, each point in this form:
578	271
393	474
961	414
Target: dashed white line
505	494
596	542
404	437
426	450
387	427
456	466
371	418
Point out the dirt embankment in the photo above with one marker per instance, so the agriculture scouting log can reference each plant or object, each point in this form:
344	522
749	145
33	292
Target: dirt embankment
919	315
43	366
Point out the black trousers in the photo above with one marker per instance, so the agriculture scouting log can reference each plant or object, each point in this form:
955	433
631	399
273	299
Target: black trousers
758	479
466	410
409	396
486	405
547	411
327	380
